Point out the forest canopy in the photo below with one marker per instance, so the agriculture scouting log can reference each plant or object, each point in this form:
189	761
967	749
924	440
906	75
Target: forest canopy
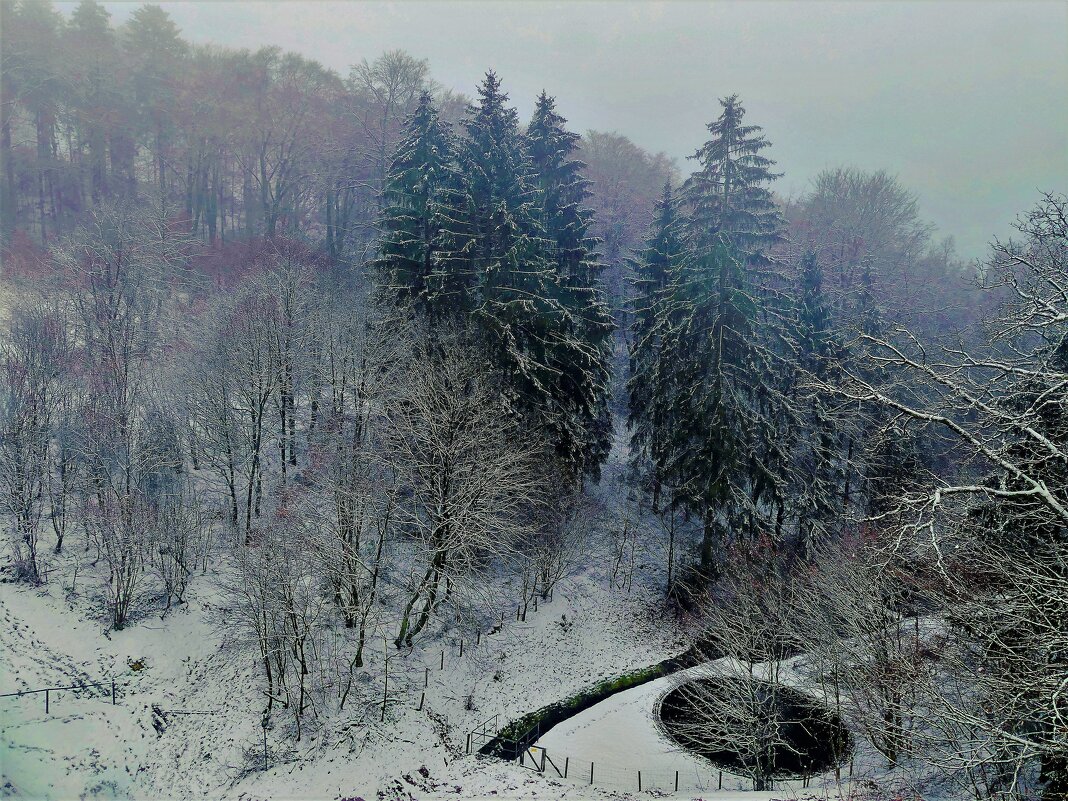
368	358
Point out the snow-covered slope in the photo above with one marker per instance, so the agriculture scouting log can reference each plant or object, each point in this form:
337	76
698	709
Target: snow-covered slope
188	719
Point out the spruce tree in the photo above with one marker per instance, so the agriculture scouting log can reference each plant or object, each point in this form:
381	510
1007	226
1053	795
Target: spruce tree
492	228
420	176
728	195
721	431
650	387
709	428
817	463
815	338
581	357
507	250
453	283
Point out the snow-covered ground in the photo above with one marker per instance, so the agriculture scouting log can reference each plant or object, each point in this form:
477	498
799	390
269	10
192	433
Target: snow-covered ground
188	719
621	736
210	742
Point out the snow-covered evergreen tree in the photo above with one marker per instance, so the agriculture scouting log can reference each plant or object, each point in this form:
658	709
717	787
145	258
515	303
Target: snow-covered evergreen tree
729	195
514	309
710	425
818	468
534	305
418	190
650	387
721	419
582	358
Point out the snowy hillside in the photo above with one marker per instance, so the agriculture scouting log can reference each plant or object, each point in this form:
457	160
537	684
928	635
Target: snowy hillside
187	721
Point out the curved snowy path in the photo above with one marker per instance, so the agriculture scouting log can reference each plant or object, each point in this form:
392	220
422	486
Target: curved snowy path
622	735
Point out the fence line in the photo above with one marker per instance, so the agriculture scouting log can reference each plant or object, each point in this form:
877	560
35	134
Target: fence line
114	684
558	765
522	609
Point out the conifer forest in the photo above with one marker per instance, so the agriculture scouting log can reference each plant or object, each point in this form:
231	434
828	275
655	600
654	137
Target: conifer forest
470	400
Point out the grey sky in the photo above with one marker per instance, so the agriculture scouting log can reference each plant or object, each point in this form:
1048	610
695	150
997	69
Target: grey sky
966	102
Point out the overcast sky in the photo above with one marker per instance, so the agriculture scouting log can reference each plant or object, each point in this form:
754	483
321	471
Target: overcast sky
966	102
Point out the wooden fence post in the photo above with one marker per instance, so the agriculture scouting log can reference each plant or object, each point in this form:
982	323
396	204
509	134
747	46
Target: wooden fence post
676	781
442	661
426	677
385	685
566	760
46	701
639	781
721	780
591	773
113	692
461	647
422	697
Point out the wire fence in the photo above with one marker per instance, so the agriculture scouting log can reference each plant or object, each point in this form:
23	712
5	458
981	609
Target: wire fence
556	764
458	645
114	689
559	765
53	694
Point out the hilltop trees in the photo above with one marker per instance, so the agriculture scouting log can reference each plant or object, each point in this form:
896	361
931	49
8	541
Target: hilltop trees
237	145
492	225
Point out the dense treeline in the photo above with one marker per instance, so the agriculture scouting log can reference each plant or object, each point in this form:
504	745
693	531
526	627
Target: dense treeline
235	144
359	351
490	230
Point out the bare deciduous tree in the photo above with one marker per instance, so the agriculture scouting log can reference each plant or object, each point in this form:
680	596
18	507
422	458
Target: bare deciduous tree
1006	510
35	363
467	477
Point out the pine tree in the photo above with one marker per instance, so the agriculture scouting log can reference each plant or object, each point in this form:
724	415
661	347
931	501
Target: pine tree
728	196
650	385
581	356
562	189
709	428
507	251
815	338
420	182
478	230
453	283
815	350
720	430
